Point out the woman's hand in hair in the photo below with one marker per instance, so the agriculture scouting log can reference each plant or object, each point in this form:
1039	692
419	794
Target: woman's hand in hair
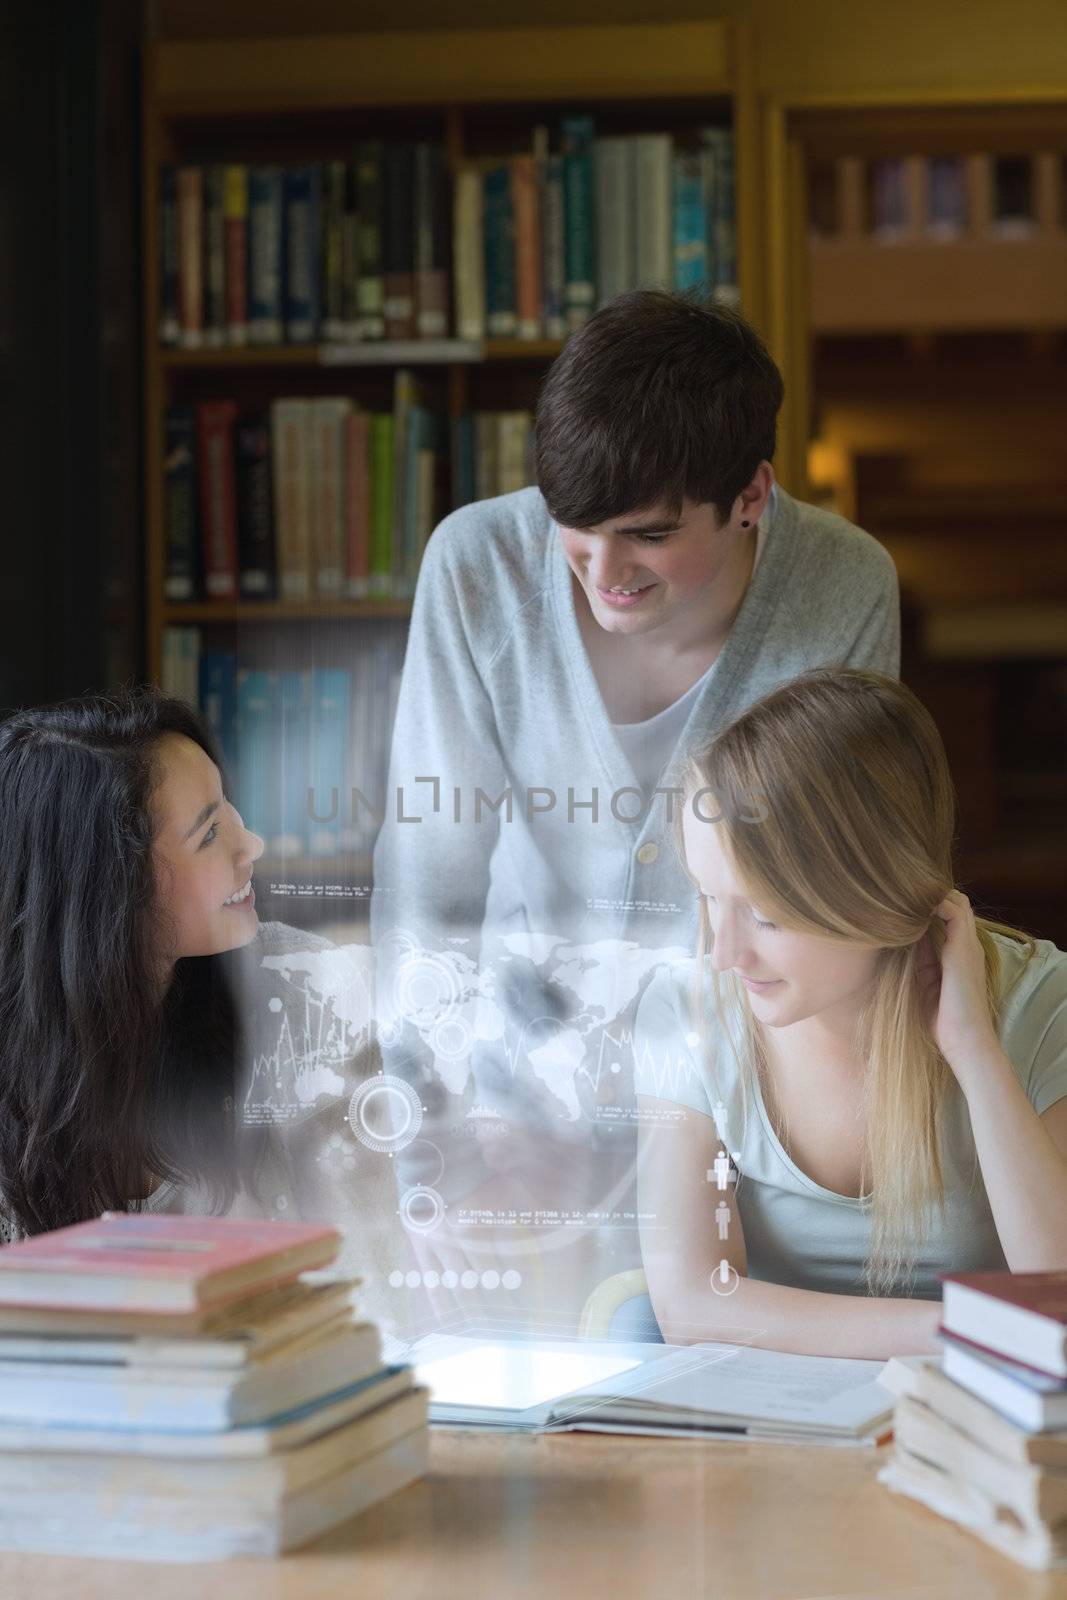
954	988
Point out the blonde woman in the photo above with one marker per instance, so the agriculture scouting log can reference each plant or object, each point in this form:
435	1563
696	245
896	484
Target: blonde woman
866	1084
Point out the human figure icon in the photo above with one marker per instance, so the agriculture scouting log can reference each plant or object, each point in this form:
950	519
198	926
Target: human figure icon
718	1111
724	1271
722	1217
721	1168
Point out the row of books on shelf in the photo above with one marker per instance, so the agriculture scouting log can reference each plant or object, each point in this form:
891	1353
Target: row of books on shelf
306	750
394	245
192	1389
318	499
980	1435
905	196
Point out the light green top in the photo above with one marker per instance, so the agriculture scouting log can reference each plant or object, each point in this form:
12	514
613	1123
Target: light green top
801	1235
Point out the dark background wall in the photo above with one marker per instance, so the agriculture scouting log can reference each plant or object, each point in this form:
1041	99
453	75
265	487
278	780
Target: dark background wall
70	610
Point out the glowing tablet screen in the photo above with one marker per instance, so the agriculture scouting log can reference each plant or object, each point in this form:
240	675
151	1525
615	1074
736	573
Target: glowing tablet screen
514	1377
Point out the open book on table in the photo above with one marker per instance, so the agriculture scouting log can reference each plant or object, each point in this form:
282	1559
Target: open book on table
710	1390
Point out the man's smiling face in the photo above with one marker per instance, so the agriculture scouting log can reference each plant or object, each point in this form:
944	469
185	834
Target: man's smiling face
640	571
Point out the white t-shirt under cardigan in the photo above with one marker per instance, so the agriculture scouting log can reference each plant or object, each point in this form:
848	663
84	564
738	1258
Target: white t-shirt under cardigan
804	1236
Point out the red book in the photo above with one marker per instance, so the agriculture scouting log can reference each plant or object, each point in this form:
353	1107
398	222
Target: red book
358	503
190	256
216	468
1022	1315
235	194
525	207
125	1262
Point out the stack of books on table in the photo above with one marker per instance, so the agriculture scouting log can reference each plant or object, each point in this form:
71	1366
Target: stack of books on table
179	1388
981	1435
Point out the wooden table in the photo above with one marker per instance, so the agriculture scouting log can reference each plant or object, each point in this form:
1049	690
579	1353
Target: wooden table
558	1517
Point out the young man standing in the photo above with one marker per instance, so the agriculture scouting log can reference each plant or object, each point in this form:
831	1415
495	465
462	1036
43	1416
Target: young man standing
567	643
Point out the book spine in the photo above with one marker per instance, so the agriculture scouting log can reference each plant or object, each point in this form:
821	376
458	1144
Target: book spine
255	519
350	259
266	221
579	243
416	439
469	255
289	452
463	487
358	503
218	702
190	665
191	250
331	689
215	421
613	183
432	212
486	455
334	322
370	232
290	833
500	297
329	418
554	269
723	262
382	472
690	224
399	241
214	258
525	204
654	233
235	184
180	498
169	259
255	722
302	209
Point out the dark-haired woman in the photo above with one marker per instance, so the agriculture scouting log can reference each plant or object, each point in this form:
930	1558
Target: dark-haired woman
160	1047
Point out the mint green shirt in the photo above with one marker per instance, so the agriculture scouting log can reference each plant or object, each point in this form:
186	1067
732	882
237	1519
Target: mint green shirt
799	1234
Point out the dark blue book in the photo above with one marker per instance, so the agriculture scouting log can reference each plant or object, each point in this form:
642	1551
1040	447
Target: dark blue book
463	491
579	247
218	702
501	307
303	243
256	566
690	223
266	255
169	314
181	510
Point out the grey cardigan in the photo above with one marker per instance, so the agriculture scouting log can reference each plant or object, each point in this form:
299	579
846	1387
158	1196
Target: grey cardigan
498	696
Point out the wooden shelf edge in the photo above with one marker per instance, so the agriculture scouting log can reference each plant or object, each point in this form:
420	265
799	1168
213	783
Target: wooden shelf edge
176	613
386	353
444	66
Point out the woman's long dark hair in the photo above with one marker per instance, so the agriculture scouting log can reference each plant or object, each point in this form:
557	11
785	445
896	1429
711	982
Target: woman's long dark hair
103	1079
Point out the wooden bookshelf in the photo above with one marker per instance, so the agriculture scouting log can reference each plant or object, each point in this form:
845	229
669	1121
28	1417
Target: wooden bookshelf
926	398
307	98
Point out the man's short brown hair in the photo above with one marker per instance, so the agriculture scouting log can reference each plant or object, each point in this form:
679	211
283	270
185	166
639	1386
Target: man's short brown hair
658	398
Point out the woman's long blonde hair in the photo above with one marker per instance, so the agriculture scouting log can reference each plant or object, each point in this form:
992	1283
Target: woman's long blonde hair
838	814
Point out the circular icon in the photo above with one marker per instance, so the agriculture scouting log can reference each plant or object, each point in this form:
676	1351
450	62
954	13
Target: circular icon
396	1280
425	985
469	1279
385	1114
449	1280
421	1209
416	1151
431	1279
511	1279
451	1038
720	1285
490	1280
